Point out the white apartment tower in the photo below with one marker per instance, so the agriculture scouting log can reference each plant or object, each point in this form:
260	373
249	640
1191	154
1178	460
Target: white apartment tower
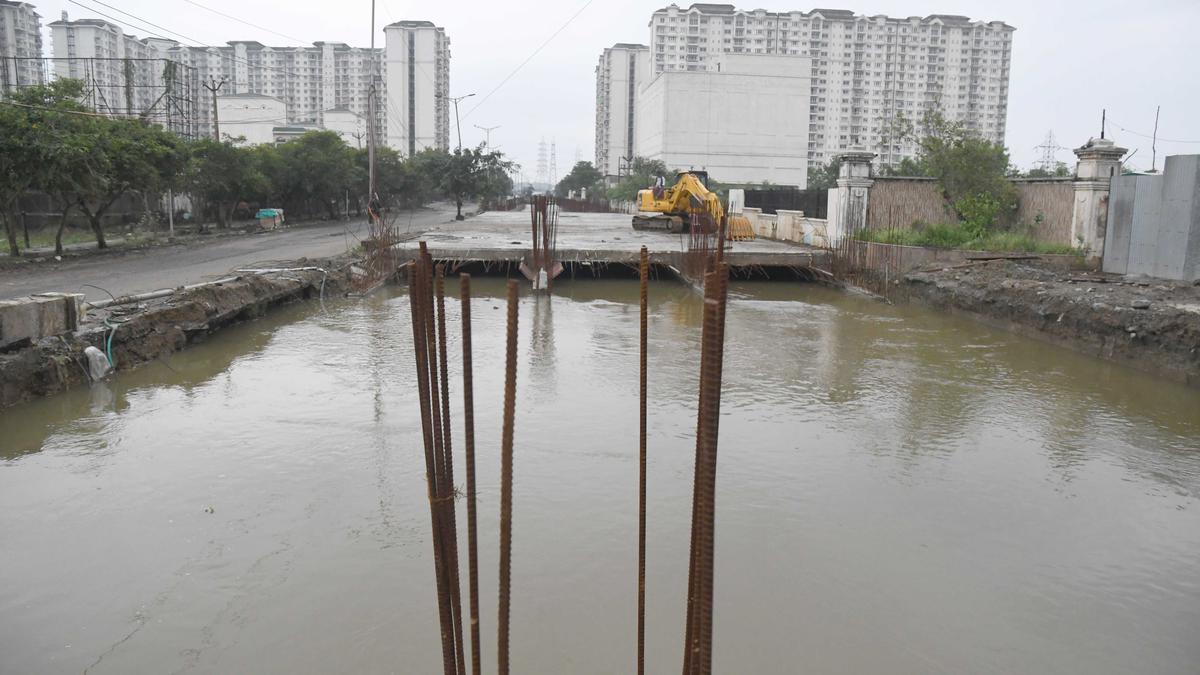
116	70
417	78
20	45
619	75
327	80
310	80
867	72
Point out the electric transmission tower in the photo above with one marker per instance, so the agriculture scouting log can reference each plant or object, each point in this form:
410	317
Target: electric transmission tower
543	166
553	164
1049	148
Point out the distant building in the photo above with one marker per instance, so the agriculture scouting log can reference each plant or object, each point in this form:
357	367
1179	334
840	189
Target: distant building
116	69
622	71
743	122
867	71
20	45
417	75
292	132
348	124
252	117
312	82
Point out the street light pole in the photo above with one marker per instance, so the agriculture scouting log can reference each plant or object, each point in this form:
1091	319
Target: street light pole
457	125
487	131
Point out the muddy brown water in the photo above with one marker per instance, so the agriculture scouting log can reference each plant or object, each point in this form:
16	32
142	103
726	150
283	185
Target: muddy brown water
899	491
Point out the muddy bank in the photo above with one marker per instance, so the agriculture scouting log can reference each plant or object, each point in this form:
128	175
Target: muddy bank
1150	324
156	328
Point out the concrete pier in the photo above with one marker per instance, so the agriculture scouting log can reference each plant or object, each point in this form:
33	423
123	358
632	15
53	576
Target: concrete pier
598	239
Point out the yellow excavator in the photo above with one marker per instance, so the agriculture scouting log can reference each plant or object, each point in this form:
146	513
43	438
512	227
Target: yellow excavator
670	209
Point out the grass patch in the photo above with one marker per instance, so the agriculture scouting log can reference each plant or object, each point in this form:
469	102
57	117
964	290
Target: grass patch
944	235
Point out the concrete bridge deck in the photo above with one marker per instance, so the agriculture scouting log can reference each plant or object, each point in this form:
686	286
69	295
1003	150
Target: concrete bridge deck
593	238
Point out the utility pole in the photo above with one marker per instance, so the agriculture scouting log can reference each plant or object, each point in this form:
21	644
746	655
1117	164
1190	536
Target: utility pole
214	86
457	125
1153	143
371	126
487	135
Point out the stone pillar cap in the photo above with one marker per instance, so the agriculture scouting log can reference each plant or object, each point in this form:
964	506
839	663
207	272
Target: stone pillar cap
1099	147
856	155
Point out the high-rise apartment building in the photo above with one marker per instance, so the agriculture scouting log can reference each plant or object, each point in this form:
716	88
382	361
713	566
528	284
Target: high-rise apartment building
20	45
311	81
417	75
619	75
867	72
116	69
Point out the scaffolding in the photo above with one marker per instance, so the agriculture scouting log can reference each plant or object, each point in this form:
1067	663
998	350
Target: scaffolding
162	91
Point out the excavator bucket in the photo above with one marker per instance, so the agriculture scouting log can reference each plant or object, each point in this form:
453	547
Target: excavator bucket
739	229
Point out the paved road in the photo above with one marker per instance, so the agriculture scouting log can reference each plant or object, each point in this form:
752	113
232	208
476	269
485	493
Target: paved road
168	266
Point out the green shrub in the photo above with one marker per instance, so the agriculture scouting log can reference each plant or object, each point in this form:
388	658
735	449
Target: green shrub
979	212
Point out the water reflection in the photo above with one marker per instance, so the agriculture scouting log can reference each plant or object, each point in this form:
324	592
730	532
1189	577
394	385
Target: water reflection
899	491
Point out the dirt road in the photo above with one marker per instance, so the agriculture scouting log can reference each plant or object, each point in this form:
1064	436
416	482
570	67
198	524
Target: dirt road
168	266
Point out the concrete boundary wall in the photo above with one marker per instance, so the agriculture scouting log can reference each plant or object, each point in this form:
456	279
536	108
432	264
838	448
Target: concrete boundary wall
789	226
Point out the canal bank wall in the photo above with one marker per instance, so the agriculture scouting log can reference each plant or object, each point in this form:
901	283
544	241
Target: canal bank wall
147	330
1149	324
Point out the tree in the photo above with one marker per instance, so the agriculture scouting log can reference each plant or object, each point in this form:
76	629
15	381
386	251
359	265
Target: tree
46	142
970	170
135	155
466	173
1061	170
907	167
221	174
642	173
318	167
824	177
583	176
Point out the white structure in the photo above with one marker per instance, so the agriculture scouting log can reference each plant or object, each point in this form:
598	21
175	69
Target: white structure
348	124
251	117
622	71
417	78
743	122
20	39
869	73
311	81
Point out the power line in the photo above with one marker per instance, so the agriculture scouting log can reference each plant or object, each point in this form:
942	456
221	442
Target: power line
1135	133
528	59
242	21
220	53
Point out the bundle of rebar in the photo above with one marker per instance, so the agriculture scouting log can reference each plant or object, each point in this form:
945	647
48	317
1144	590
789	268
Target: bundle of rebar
543	215
697	657
427	301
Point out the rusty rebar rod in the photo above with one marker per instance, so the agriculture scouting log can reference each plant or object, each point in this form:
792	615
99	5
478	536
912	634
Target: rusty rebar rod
698	640
469	447
644	273
506	479
452	565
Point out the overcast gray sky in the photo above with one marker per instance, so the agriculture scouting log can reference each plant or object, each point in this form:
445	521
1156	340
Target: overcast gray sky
1070	60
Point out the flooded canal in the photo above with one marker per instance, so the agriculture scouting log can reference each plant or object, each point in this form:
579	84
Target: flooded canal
898	492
